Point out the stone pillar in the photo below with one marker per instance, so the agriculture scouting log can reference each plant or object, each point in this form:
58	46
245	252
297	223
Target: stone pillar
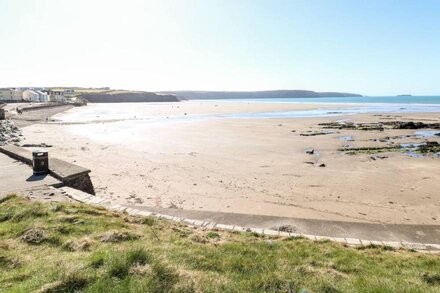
2	114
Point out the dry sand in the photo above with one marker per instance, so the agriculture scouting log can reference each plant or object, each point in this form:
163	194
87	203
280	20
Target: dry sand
253	166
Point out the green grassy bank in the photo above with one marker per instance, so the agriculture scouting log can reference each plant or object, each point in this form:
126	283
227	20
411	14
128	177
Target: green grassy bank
57	247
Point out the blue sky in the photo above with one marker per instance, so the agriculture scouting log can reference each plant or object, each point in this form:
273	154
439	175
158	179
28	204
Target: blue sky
371	47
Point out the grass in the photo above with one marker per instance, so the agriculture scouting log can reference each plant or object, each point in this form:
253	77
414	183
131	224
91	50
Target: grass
74	254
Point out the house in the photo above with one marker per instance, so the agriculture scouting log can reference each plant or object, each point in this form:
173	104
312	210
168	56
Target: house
11	95
31	96
57	96
44	97
35	96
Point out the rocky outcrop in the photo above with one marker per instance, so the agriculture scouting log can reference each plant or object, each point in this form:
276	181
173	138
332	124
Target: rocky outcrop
9	133
411	125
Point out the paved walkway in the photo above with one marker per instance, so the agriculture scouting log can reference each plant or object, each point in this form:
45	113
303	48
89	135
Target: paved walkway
16	176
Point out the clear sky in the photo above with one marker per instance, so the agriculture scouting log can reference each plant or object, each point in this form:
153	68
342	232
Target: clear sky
375	47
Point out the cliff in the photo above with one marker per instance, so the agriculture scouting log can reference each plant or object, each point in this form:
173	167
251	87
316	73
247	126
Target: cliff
202	95
127	97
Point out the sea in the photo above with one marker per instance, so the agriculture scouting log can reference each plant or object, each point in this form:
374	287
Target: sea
351	100
342	106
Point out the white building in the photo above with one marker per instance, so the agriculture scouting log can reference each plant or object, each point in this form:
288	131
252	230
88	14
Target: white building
31	96
11	95
44	97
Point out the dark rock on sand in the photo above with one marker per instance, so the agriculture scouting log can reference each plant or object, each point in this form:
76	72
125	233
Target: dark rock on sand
411	125
310	151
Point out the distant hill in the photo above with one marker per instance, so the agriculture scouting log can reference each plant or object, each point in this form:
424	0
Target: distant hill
127	97
206	95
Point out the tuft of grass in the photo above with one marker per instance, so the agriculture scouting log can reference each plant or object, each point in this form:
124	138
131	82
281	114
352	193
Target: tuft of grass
70	257
7	197
432	279
213	235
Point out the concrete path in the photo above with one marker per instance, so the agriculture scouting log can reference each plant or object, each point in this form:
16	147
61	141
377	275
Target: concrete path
380	232
16	176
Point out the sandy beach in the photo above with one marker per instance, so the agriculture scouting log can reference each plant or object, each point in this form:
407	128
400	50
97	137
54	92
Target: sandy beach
185	156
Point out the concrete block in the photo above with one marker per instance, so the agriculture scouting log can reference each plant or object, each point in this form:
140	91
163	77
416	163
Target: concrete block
256	230
323	238
415	246
167	217
365	242
353	241
143	213
284	234
198	223
432	246
225	227
393	244
239	229
340	240
210	226
270	232
188	221
309	236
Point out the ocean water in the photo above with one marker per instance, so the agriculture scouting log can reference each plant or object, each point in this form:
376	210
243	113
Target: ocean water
345	100
344	110
136	112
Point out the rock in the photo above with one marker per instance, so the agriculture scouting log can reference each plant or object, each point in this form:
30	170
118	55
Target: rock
316	133
375	157
411	125
42	145
321	165
285	228
310	151
9	133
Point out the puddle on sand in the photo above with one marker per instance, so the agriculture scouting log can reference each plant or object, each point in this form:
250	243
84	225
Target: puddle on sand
411	150
427	133
346	138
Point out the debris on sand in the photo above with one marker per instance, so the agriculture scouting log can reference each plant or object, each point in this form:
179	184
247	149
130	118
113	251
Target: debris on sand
315	133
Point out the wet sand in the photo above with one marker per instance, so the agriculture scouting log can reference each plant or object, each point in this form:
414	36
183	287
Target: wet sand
251	166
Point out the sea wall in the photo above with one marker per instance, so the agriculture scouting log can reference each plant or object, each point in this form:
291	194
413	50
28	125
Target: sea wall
69	174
